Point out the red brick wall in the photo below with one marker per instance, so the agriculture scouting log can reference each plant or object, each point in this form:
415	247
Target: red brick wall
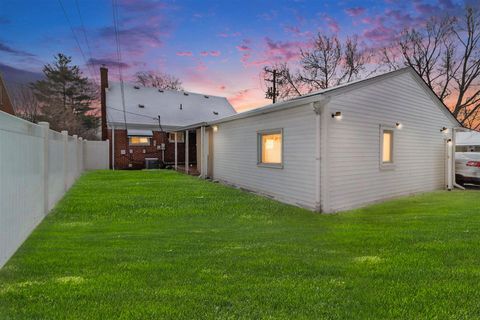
137	158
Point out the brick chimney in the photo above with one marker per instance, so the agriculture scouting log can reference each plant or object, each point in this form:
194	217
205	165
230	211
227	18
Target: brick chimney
103	100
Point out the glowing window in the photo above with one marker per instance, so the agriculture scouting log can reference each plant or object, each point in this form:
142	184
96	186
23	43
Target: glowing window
171	137
139	141
270	147
387	146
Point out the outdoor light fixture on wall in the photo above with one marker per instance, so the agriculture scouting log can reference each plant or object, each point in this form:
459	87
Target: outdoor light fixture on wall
444	130
398	125
337	115
449	142
215	128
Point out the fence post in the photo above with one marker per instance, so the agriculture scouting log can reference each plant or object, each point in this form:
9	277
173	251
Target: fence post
65	159
80	156
45	128
84	154
75	140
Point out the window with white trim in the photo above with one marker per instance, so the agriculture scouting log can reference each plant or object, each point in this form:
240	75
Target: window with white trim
171	137
270	148
139	140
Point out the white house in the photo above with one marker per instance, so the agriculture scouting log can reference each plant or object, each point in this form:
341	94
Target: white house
339	148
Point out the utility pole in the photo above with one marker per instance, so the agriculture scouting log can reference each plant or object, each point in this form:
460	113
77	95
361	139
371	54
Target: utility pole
272	92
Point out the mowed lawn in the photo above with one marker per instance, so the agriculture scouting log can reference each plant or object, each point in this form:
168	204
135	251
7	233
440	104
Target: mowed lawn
161	245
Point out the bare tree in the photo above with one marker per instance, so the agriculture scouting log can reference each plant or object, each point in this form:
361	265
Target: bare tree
158	80
328	63
446	54
26	104
331	62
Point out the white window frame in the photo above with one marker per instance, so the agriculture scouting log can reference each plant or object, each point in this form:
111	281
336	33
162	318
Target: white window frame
387	165
140	144
171	137
260	134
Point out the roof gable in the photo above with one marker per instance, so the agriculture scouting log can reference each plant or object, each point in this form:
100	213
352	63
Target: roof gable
321	94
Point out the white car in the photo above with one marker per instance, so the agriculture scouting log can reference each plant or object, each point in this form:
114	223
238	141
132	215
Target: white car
467	167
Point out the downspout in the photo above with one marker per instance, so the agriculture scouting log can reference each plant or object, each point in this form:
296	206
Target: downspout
322	113
454	150
318	154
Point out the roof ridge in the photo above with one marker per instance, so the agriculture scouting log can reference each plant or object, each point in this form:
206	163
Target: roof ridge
167	90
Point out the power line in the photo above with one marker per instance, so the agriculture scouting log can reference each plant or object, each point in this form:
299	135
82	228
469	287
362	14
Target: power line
119	58
74	36
137	114
87	42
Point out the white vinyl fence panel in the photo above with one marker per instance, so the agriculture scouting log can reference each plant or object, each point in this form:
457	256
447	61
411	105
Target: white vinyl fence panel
37	166
96	155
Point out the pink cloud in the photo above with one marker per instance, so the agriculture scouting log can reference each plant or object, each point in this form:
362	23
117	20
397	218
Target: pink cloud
213	53
424	8
184	53
268	16
239	96
333	25
282	50
380	34
243	47
296	31
201	66
247	99
229	35
356	11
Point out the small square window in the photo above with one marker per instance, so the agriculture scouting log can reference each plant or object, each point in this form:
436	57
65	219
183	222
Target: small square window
270	148
139	141
171	137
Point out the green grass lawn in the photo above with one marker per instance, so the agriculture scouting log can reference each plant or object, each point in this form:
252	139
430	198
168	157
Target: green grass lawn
158	244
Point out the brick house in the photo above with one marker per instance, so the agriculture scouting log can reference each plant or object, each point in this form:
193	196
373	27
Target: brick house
146	132
5	102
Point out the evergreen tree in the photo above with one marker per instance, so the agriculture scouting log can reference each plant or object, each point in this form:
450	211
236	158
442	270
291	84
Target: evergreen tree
66	98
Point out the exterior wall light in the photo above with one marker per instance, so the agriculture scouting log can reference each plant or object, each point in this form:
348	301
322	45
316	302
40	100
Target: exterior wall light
398	125
444	130
215	128
337	115
449	142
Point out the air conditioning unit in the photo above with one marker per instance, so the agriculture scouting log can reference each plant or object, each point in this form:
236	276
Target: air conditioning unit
151	163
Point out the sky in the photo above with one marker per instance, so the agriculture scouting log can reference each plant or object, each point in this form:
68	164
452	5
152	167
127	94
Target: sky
213	47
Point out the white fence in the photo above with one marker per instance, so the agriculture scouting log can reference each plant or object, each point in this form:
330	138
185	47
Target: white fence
37	167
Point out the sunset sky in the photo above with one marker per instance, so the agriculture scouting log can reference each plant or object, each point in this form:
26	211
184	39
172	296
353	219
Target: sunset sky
214	47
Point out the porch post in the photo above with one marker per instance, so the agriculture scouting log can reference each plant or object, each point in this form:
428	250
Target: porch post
202	151
186	151
176	149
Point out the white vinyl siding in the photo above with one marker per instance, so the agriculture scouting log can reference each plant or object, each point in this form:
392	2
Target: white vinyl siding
355	175
235	155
